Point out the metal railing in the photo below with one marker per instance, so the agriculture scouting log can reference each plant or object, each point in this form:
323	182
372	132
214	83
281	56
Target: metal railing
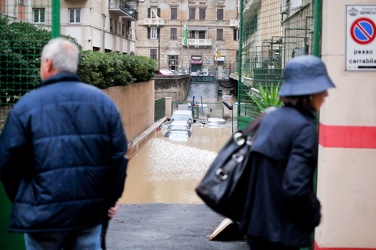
197	42
154	21
159	109
129	10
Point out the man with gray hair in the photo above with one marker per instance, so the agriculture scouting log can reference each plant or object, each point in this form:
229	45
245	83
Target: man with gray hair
62	156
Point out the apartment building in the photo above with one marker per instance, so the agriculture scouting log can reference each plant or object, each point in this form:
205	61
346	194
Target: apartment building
189	35
99	25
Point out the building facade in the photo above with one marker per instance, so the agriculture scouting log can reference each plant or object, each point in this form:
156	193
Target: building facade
104	26
99	25
195	36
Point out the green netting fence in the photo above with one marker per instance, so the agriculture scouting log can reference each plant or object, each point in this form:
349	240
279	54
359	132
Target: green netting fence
271	33
25	26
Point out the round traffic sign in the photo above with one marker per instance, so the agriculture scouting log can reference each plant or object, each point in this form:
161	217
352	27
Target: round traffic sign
363	30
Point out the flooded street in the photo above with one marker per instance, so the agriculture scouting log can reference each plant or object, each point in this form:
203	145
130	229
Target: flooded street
167	170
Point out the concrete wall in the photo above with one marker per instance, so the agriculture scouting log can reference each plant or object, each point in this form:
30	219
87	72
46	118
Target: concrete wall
136	105
347	156
176	87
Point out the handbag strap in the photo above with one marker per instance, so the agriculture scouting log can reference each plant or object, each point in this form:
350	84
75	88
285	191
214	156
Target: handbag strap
253	125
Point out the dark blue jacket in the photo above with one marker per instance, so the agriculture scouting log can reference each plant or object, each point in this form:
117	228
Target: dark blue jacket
281	205
62	156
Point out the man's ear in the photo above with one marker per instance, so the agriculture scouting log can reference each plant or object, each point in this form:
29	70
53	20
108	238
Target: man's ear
48	65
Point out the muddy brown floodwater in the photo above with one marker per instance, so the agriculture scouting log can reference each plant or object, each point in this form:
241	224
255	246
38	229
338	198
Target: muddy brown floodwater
167	170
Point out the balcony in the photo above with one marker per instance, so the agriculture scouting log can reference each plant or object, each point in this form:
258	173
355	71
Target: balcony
125	11
234	23
252	5
198	43
154	21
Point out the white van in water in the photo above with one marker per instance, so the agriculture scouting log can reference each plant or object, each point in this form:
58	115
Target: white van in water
182	115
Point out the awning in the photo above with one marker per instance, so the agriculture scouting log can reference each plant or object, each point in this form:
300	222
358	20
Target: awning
196	61
199	28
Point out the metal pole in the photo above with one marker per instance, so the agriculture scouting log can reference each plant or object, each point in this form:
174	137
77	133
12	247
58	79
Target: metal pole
159	50
55	18
317	25
232	121
189	56
241	9
317	22
230	107
103	47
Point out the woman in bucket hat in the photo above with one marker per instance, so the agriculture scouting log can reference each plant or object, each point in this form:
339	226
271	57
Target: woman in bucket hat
282	209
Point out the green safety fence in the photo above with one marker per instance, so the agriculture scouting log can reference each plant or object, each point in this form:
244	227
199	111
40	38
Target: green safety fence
271	33
25	26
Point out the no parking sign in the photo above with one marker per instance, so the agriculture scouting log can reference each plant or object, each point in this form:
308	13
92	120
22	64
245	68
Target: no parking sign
361	37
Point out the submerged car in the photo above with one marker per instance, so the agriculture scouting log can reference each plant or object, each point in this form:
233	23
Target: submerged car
176	126
178	135
179	125
216	122
182	115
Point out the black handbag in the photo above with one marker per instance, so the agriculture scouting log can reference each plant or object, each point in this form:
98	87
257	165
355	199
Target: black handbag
224	186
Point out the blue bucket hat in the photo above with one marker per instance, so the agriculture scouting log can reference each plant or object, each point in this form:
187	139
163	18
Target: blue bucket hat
305	75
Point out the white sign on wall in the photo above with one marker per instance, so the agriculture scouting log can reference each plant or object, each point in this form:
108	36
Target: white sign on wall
361	37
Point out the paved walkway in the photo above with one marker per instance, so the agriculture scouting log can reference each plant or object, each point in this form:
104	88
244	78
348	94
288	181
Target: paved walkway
167	227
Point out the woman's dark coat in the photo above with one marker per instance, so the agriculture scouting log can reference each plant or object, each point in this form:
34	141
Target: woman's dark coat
62	156
281	204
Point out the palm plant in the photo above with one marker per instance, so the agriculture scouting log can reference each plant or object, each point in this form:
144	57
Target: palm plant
265	96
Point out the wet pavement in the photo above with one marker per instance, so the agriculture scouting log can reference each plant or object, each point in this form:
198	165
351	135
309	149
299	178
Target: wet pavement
159	208
167	227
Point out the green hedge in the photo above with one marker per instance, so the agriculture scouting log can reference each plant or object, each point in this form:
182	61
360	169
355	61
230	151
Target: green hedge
113	69
21	44
20	49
